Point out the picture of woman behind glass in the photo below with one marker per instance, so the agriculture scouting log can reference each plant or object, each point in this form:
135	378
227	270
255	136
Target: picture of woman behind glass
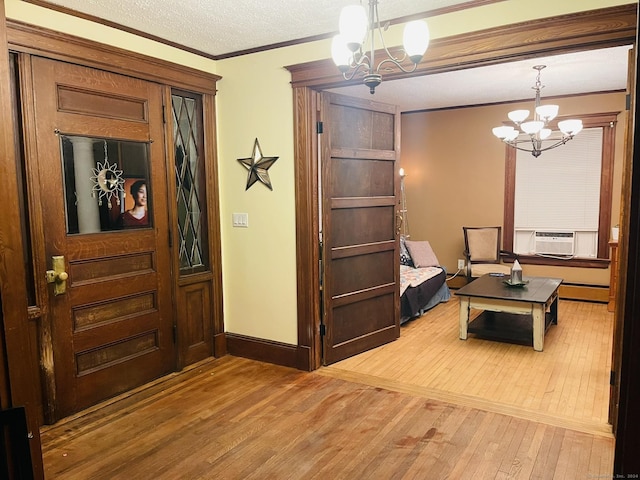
136	216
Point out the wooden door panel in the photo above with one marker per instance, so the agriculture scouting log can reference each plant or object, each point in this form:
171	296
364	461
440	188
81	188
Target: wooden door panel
368	128
103	127
89	271
97	336
357	226
195	333
98	351
120	377
111	105
360	318
114	310
361	268
113	328
362	272
92	292
365	178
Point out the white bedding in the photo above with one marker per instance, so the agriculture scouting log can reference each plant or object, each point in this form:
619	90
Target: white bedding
412	277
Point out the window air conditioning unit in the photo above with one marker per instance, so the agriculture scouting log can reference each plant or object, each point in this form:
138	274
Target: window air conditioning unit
554	243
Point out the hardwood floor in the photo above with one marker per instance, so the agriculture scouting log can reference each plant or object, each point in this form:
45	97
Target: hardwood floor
234	418
566	385
425	406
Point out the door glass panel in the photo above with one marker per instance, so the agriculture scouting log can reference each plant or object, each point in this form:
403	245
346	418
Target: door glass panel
190	181
106	184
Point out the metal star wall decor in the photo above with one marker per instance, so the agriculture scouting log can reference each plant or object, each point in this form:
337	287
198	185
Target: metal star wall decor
257	165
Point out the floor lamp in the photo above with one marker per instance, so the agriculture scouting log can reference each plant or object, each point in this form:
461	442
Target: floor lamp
404	231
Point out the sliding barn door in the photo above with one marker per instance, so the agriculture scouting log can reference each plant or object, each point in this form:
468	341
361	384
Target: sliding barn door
360	147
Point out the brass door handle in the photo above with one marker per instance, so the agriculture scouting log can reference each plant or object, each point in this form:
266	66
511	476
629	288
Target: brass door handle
58	276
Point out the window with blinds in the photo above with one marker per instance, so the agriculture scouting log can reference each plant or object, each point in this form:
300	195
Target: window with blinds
557	198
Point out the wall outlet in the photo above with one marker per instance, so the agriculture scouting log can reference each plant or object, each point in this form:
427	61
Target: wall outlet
460	263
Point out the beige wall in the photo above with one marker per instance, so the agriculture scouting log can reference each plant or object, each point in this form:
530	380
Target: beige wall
255	101
455	176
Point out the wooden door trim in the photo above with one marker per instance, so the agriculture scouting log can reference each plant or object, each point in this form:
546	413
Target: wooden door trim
563	34
306	105
623	251
213	276
22	37
17	364
213	205
607	27
36	224
627	335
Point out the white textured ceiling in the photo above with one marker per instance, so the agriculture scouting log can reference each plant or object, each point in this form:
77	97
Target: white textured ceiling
219	27
602	70
222	27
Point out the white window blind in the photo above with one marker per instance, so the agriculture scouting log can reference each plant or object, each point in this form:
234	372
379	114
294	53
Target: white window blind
560	190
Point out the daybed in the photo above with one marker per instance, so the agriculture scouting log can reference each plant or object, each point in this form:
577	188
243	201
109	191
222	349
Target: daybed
422	280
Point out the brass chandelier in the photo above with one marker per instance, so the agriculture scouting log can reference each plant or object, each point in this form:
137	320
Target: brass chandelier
356	27
540	137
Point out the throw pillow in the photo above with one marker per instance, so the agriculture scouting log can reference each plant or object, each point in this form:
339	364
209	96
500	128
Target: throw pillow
405	257
422	254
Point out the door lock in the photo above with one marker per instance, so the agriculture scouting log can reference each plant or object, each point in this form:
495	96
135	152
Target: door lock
58	276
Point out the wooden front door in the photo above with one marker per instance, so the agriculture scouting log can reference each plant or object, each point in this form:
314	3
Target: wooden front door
100	154
360	147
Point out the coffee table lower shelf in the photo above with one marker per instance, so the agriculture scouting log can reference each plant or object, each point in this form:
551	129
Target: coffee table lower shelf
505	327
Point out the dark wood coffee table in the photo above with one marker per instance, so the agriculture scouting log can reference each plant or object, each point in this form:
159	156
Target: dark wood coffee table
518	314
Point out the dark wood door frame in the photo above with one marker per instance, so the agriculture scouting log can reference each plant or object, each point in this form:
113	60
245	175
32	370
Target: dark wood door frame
16	367
627	364
563	34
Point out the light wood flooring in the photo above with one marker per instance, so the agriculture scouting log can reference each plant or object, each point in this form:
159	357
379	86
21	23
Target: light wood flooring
233	418
566	385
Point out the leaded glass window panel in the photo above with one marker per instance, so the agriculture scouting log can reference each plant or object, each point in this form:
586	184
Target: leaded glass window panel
190	182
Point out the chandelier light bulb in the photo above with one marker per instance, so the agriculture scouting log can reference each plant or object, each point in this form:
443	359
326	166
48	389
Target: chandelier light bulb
547	112
415	39
544	133
341	54
401	172
532	127
353	26
513	134
359	26
570	127
503	131
518	116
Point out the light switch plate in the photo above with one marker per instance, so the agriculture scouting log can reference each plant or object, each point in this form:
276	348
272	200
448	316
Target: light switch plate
241	220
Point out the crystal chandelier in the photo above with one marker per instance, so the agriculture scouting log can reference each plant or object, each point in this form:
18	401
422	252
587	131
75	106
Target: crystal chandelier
356	28
537	129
